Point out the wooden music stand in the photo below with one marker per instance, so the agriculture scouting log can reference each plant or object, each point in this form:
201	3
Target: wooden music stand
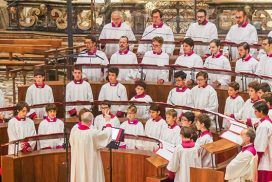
219	147
160	164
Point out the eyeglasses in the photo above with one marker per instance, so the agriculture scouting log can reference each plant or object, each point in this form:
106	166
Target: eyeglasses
200	16
200	80
104	108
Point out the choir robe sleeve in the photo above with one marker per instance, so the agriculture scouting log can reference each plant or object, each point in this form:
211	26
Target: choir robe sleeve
89	95
142	48
259	69
131	37
164	74
169	48
32	133
50	96
123	97
174	163
102	138
28	98
262	140
133	73
69	97
2	103
213	101
225	79
213	33
239	167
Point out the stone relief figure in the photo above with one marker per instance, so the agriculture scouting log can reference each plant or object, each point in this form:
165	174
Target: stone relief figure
60	17
264	18
29	16
84	20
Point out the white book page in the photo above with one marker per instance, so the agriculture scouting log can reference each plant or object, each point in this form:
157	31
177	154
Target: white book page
237	123
235	128
167	146
232	137
166	154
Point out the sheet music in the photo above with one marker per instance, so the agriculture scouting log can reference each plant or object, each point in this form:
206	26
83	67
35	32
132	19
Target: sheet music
238	124
232	137
164	153
168	146
235	128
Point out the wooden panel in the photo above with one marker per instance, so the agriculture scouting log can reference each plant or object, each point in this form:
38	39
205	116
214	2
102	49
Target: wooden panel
43	166
24	49
70	122
159	93
204	175
54	43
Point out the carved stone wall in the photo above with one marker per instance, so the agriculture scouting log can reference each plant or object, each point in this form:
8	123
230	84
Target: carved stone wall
51	16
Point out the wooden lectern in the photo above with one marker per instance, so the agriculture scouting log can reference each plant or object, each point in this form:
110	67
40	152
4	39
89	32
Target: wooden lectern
160	164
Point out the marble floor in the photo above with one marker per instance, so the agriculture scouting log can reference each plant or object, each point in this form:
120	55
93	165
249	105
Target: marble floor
6	85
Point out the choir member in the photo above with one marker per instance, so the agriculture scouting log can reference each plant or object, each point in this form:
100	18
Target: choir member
264	88
125	56
263	142
159	28
114	30
141	96
265	64
181	95
203	95
246	63
92	56
172	133
78	90
156	57
202	30
203	123
244	166
217	61
267	97
20	127
86	162
269	34
51	124
133	126
246	113
184	157
114	91
189	59
106	119
242	31
38	93
187	119
234	102
2	104
154	126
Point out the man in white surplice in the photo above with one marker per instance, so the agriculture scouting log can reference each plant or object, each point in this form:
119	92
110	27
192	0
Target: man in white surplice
157	29
244	165
86	162
114	30
202	30
242	31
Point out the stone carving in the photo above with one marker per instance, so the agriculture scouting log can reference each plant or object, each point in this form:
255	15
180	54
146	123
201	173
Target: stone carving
60	18
84	20
29	16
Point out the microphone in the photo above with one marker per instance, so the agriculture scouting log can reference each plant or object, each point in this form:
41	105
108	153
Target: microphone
18	58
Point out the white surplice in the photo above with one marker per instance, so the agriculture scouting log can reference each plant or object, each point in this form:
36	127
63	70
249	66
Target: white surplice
86	162
39	95
111	32
182	160
19	129
136	128
93	74
46	127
